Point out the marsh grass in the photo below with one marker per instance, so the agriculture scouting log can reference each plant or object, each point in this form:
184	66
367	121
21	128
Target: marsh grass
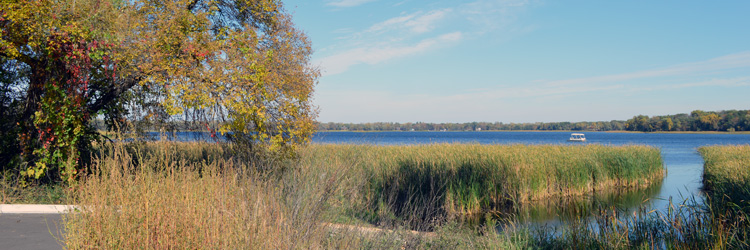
722	222
690	224
189	195
421	184
160	195
726	175
726	181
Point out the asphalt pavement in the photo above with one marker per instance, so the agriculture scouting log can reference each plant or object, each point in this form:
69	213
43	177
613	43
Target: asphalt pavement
30	231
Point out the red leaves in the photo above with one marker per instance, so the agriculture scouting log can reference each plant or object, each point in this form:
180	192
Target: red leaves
62	118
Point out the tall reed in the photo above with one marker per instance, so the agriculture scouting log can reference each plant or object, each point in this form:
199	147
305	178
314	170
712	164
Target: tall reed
420	183
722	222
161	196
726	174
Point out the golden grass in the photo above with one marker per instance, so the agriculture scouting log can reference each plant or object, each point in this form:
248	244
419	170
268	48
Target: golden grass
166	195
146	199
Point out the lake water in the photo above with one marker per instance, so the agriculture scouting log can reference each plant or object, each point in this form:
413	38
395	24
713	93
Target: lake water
679	151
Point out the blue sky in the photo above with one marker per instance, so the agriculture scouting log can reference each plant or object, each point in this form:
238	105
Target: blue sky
525	61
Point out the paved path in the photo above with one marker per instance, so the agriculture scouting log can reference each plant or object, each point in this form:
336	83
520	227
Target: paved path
29	228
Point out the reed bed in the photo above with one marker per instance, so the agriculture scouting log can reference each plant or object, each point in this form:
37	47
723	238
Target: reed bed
163	195
685	225
726	174
722	222
423	183
189	196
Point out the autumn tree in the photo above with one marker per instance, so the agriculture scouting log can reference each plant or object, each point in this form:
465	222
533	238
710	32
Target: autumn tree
58	69
239	62
236	66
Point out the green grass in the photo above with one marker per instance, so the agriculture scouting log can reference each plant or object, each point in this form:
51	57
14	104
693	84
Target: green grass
15	190
423	183
723	222
726	175
726	181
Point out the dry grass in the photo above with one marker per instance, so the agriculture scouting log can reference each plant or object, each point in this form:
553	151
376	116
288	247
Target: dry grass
150	199
200	195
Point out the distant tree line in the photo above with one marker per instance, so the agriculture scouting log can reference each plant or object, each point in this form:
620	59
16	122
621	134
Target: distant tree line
697	120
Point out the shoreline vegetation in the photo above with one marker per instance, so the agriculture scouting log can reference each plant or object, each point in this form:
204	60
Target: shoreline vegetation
205	195
726	176
421	183
546	131
696	121
187	194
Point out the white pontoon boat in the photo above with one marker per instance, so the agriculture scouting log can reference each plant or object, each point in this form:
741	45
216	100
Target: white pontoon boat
577	137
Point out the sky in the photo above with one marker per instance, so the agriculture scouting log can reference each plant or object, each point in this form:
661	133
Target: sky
525	61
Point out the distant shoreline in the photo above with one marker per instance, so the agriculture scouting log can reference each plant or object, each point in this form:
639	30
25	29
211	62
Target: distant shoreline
546	131
540	131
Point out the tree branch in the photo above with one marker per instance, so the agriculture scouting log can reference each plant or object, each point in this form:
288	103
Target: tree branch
111	95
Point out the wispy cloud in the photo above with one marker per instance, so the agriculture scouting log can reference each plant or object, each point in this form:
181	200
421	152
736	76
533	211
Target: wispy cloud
495	105
490	15
418	22
501	103
733	61
348	3
723	82
413	33
341	62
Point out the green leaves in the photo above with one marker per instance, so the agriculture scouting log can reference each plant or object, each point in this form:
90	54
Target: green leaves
239	65
249	73
62	44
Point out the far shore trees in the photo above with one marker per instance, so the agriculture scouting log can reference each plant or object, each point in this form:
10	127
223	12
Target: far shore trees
234	66
729	120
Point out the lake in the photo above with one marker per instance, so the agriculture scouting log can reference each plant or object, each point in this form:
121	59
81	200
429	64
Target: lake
679	151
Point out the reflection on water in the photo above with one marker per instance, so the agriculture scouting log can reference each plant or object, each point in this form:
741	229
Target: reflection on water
560	210
569	208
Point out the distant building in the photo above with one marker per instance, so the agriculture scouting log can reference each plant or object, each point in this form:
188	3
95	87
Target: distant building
479	129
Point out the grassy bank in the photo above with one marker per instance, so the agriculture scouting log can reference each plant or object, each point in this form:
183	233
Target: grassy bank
726	181
197	195
427	182
193	195
188	195
726	174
